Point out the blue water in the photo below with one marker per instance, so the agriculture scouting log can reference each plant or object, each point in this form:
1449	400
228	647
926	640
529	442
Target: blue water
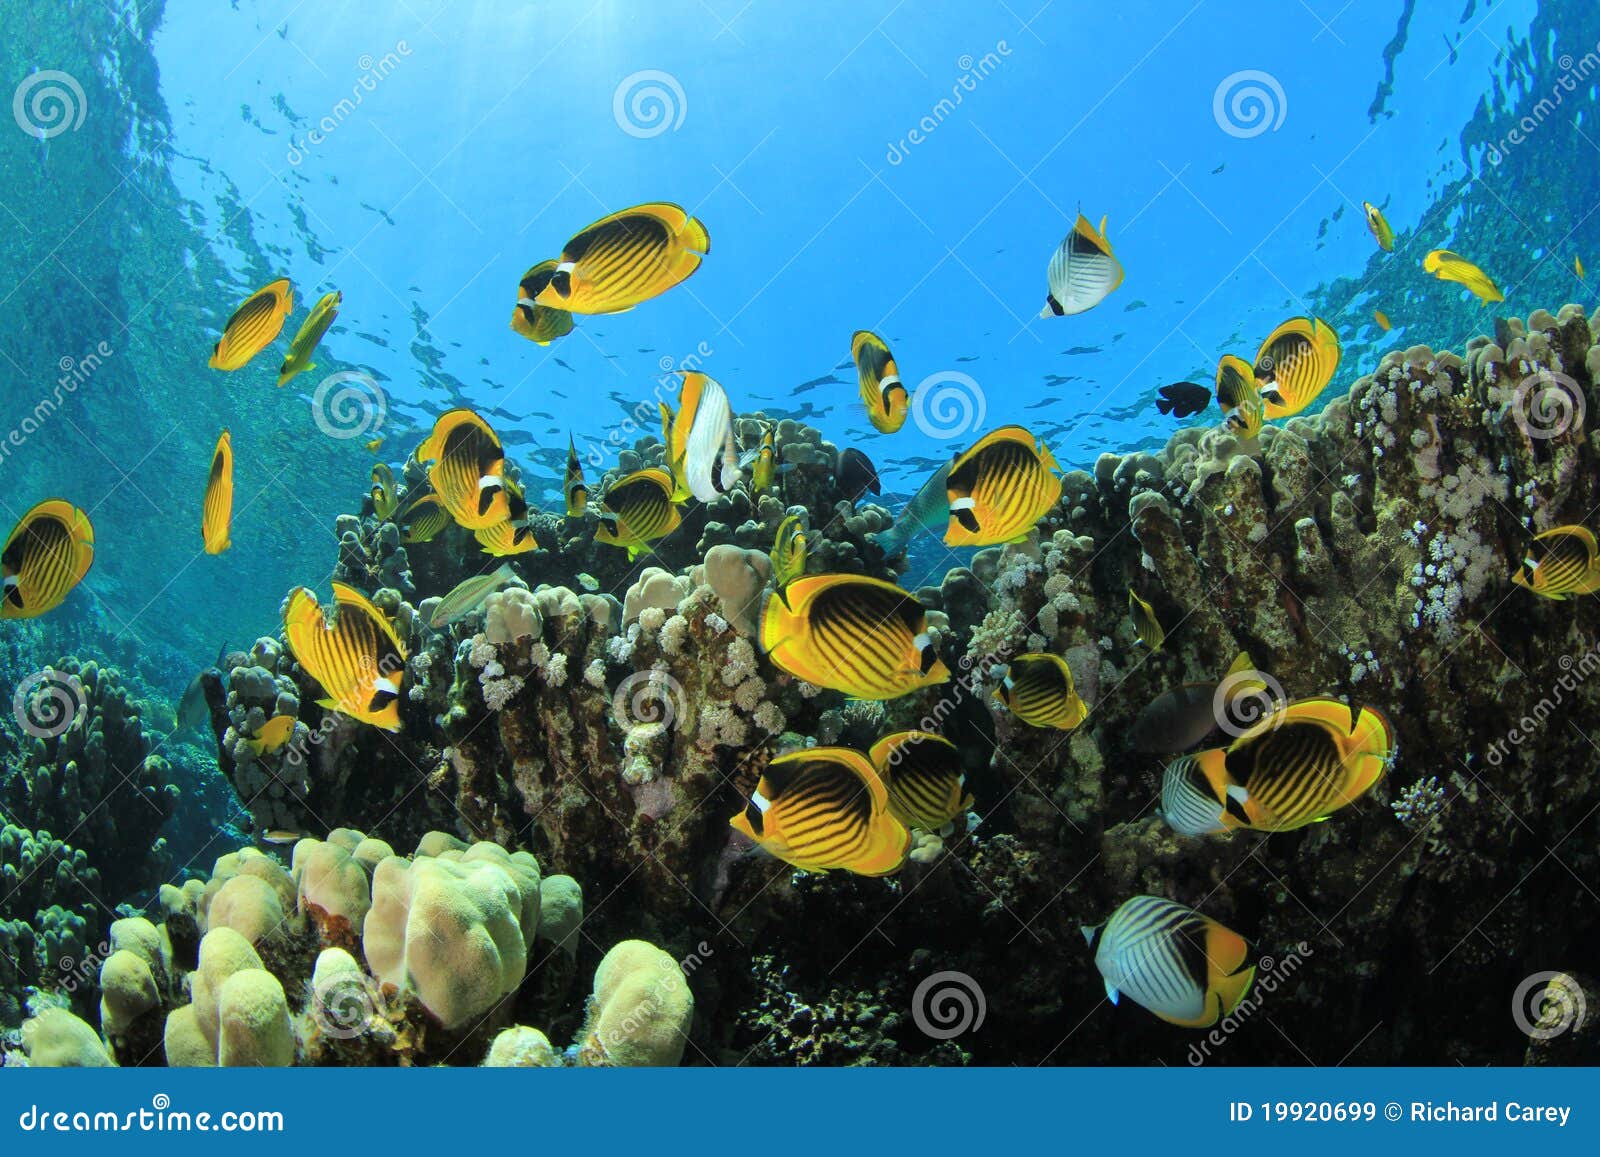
420	156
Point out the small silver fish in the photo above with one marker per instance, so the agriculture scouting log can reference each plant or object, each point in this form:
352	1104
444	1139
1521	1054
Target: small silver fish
588	582
469	595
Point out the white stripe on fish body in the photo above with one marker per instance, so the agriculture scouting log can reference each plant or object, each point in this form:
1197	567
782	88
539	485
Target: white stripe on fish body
566	267
390	685
963	504
490	482
763	804
887	381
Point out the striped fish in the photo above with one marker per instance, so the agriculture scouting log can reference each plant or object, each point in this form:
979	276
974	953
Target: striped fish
1189	802
929	509
881	388
506	538
1379	225
626	258
1083	271
1299	765
422	519
863	636
824	808
253	326
702	427
1145	623
358	659
1448	266
573	486
1038	689
216	512
298	359
469	468
384	502
469	595
923	773
48	554
1000	489
641	511
1186	968
788	553
1240	397
540	324
1562	562
1295	364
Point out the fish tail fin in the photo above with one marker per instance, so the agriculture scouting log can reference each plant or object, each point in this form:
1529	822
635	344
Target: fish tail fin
1372	748
694	236
893	540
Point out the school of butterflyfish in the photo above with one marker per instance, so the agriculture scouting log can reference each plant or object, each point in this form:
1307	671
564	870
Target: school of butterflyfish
1287	764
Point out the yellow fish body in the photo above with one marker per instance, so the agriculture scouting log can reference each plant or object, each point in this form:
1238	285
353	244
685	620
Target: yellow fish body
273	735
1382	319
422	519
47	554
1000	489
882	390
640	510
626	258
1145	623
788	553
217	509
1448	266
1379	226
1240	397
924	777
253	326
1295	364
862	636
304	344
540	324
384	501
1038	689
823	809
468	471
358	658
1562	563
766	462
573	486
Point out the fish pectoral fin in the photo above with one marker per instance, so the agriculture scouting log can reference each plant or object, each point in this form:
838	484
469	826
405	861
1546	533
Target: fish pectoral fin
1111	992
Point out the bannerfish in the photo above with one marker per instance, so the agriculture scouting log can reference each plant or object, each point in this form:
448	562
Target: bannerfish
1145	623
1037	688
881	388
574	487
304	344
1298	766
929	509
540	324
1295	364
1183	399
626	258
825	808
384	502
855	474
1083	271
1448	266
253	326
48	553
1000	489
468	596
1381	232
924	776
358	658
274	733
1240	397
788	553
468	471
1182	717
640	510
860	635
1186	968
216	511
1561	563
